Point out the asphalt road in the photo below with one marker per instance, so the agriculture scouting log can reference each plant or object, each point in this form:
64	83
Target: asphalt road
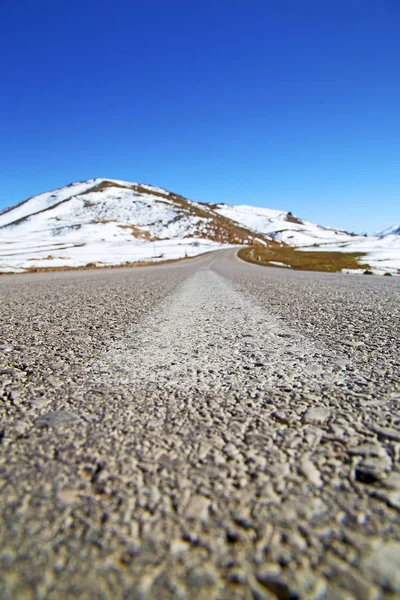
207	429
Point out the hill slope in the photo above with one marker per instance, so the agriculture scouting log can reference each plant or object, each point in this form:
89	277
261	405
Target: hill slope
282	226
111	222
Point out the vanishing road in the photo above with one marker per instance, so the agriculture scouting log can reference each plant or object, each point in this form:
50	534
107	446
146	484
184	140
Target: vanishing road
207	429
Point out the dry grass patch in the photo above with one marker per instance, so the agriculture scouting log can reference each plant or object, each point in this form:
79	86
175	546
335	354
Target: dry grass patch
105	185
140	189
308	260
140	233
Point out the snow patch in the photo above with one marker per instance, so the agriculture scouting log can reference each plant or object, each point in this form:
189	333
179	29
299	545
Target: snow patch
279	264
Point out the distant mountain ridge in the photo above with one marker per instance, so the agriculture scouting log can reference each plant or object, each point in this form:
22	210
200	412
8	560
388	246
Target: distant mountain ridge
395	230
111	222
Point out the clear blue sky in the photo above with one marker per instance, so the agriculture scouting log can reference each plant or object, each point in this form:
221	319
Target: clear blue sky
292	104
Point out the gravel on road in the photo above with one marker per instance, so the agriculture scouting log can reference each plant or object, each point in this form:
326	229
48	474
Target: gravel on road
207	429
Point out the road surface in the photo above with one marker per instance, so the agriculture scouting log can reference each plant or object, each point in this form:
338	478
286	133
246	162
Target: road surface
207	429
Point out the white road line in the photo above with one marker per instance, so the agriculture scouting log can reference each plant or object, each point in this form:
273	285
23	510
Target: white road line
211	337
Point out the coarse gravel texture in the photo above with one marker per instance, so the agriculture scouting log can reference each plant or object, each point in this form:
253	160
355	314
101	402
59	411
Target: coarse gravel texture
207	429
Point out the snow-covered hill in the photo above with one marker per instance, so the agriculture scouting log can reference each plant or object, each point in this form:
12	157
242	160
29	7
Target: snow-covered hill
112	222
382	250
395	230
282	226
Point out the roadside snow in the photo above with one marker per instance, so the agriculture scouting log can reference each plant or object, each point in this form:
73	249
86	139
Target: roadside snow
279	264
353	271
111	249
382	254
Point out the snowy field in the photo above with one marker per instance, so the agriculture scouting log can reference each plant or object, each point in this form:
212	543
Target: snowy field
105	246
382	254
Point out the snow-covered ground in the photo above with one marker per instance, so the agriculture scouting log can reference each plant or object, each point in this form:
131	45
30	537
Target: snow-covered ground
17	255
382	254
